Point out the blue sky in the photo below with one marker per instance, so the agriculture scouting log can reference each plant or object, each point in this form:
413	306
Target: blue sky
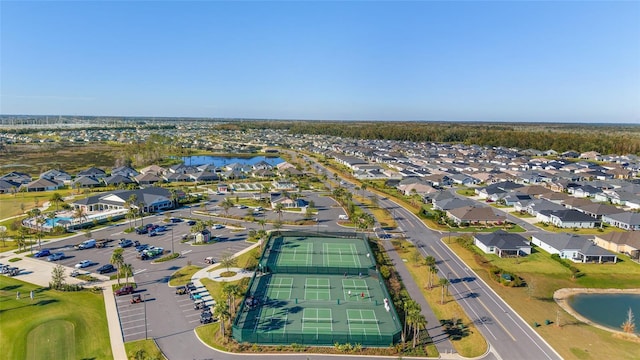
551	61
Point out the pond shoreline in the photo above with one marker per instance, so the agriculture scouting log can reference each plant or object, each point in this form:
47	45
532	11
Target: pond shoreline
562	297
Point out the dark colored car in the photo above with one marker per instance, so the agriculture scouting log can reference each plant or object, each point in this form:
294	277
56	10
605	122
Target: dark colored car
42	253
106	268
175	220
125	243
141	231
206	318
125	290
191	222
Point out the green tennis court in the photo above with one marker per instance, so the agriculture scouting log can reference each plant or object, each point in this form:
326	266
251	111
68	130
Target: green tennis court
317	290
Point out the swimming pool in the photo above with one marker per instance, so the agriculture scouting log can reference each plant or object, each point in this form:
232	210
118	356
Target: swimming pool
53	222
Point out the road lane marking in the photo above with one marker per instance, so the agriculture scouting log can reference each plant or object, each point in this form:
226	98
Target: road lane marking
479	300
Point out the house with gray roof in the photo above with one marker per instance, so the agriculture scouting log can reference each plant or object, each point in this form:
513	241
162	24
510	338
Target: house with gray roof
623	220
573	247
568	218
503	244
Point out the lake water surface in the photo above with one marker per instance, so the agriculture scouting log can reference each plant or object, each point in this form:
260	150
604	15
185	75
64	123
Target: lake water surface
222	160
608	310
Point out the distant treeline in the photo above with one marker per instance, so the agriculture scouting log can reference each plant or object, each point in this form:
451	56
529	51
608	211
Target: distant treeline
603	138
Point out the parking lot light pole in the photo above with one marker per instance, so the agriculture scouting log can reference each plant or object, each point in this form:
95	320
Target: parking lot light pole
145	317
171	241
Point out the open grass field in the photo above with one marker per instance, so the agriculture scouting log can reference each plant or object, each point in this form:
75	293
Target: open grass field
572	339
50	326
471	345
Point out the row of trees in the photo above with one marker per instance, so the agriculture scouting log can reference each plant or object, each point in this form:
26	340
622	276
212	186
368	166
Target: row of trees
606	139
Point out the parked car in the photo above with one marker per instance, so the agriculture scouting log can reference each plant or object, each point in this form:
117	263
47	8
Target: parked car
206	318
175	220
42	253
56	256
124	243
125	290
136	298
13	271
141	230
209	260
106	268
141	247
191	222
181	290
74	273
218	226
87	244
83	264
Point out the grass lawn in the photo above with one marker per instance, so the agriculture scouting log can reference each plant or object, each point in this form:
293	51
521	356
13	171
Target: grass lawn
471	345
572	340
143	349
183	275
50	326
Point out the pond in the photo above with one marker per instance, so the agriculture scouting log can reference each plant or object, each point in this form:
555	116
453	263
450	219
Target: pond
609	310
222	160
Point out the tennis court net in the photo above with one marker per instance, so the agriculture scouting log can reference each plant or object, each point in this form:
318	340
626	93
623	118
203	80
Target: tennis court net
318	320
363	321
281	285
317	286
356	287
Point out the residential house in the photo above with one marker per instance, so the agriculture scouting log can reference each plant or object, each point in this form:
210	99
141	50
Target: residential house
152	169
503	244
470	215
148	178
86	182
568	219
573	202
42	185
117	180
623	242
573	247
623	220
17	177
94	172
125	171
597	211
537	205
7	186
57	175
447	203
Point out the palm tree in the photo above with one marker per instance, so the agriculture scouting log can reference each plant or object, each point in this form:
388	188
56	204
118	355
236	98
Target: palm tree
444	283
79	214
117	259
419	322
174	197
433	270
231	291
39	235
262	223
56	199
278	209
221	311
127	269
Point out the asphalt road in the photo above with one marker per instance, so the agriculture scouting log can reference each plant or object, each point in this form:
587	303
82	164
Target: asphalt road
508	335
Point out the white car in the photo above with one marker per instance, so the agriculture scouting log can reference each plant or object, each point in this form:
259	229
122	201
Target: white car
83	264
218	226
